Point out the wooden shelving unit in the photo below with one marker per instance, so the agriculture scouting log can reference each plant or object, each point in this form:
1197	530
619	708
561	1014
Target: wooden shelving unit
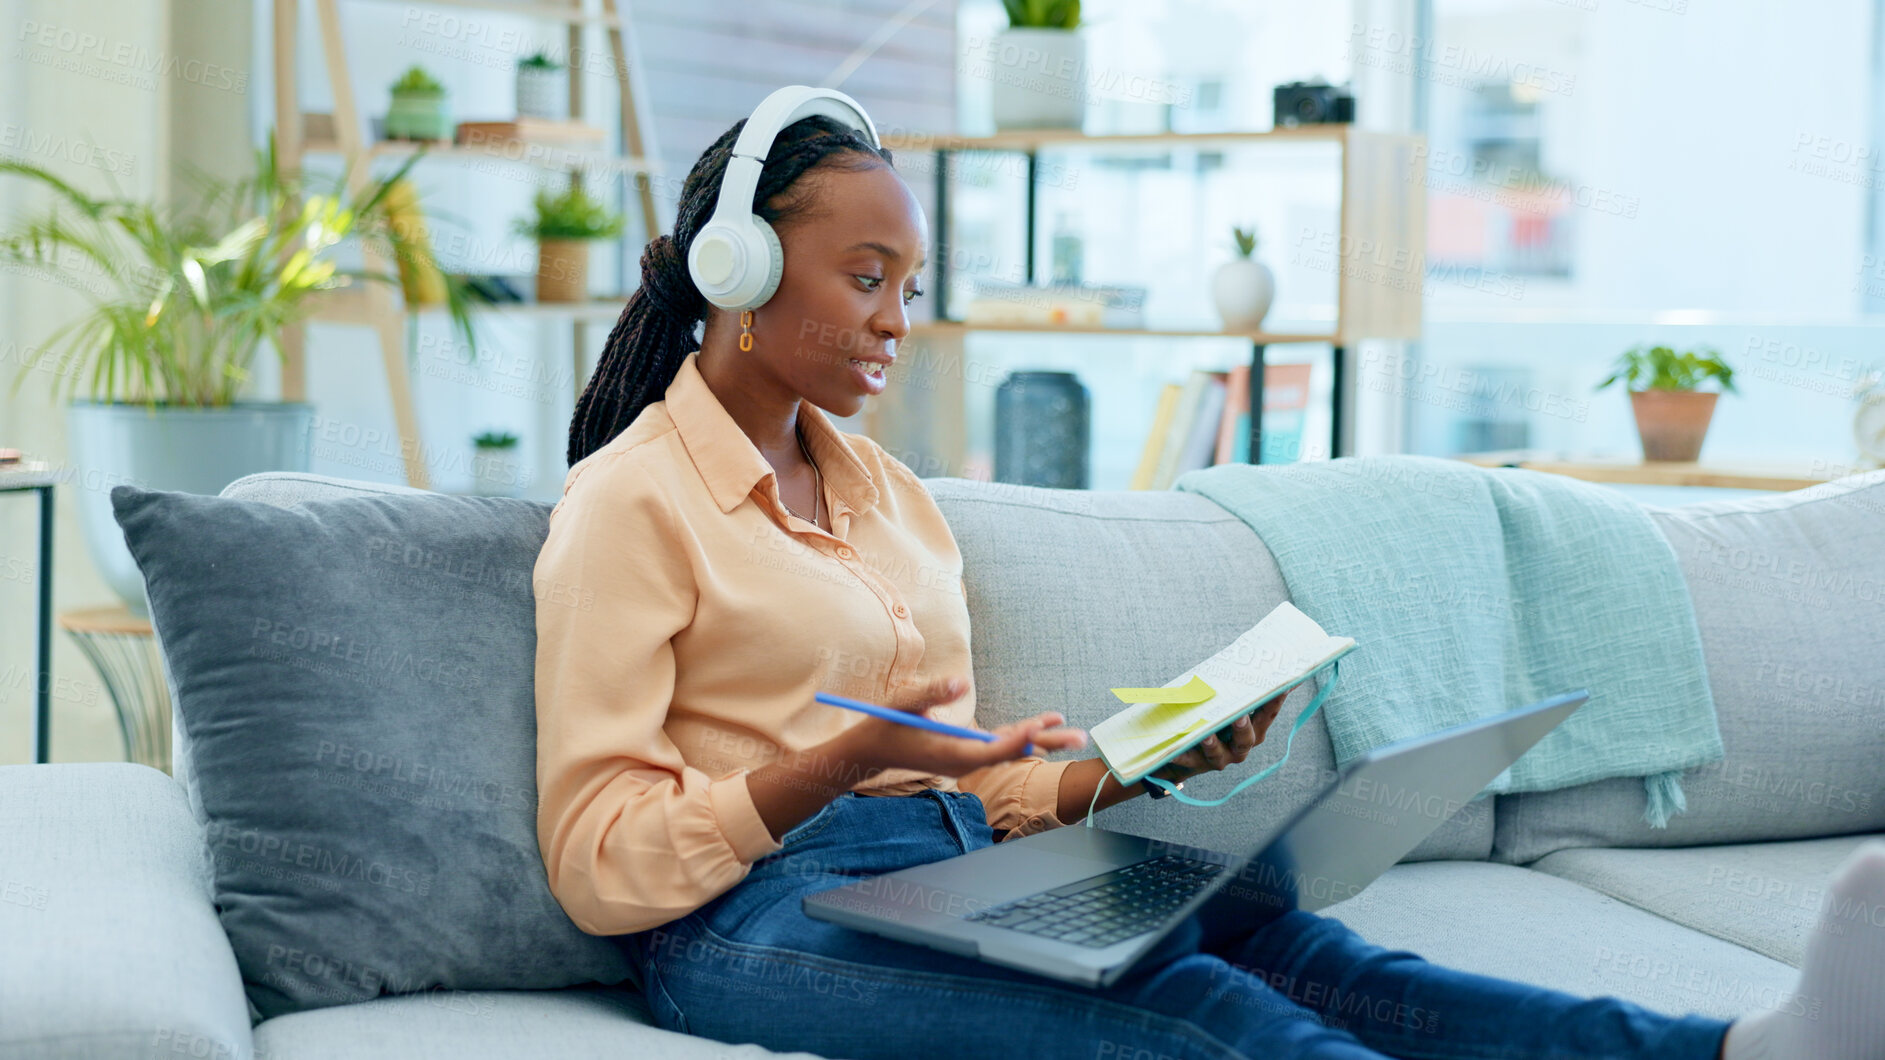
542	155
376	305
606	17
353	307
956	327
1381	207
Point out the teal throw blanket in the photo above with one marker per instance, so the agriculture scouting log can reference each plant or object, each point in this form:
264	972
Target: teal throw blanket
1472	591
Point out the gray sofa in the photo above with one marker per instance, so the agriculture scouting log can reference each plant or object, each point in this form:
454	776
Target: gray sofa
110	943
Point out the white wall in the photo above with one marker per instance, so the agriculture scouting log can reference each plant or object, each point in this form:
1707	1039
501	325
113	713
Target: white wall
77	97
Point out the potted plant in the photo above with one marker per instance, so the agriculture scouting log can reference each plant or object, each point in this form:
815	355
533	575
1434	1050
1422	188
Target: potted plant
1243	287
542	88
419	110
1672	415
494	468
1038	67
183	298
563	226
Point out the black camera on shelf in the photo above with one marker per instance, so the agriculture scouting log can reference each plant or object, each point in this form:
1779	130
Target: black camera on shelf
1313	103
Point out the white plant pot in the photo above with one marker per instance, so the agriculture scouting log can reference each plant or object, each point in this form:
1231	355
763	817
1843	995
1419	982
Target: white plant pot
1243	290
178	448
1038	78
542	93
496	473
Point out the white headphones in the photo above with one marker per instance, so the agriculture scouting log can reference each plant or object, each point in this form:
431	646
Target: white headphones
735	260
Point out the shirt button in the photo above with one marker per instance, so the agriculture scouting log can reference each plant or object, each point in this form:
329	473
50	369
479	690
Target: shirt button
902	611
843	552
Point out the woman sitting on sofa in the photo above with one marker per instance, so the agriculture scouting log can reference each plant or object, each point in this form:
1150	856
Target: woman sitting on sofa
743	554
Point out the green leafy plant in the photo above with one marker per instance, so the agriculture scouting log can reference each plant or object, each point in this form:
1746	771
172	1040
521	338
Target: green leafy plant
1662	368
539	61
1047	14
416	82
182	297
572	215
495	440
1245	240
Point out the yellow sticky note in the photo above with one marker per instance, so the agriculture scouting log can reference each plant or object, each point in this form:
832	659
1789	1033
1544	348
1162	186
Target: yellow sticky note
1191	693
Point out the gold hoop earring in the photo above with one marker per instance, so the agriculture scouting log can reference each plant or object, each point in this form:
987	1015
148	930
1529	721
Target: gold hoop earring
746	330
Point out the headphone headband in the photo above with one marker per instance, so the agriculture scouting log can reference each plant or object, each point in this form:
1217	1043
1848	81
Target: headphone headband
736	260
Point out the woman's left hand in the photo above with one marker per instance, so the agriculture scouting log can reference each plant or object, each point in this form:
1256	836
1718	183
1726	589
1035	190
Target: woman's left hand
1213	754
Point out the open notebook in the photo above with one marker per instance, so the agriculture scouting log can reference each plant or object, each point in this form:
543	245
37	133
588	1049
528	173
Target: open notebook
1276	654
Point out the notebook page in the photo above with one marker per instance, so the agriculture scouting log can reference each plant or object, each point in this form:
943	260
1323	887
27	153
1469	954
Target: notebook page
1284	646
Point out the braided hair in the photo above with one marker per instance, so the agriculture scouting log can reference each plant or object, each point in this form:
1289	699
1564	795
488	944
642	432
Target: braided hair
655	331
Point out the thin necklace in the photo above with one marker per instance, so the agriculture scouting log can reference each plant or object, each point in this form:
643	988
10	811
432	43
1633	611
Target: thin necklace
817	477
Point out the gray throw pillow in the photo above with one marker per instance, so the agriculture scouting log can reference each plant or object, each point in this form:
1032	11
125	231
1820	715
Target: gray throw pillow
1789	594
355	680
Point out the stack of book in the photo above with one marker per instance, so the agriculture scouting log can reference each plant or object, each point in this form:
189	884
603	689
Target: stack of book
1206	420
997	302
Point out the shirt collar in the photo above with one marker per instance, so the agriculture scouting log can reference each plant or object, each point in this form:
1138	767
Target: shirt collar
732	464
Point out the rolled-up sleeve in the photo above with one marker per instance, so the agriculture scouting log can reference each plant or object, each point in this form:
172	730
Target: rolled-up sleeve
1021	795
631	835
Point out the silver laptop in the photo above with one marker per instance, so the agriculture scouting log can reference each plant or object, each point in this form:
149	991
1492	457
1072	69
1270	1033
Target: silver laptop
1086	904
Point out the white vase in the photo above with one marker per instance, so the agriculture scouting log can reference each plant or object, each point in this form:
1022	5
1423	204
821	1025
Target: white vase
1242	290
1038	78
542	93
496	473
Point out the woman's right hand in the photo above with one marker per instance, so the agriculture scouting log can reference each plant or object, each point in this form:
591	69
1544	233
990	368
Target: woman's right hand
878	744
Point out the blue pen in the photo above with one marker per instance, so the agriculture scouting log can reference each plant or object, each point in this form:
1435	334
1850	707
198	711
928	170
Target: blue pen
916	721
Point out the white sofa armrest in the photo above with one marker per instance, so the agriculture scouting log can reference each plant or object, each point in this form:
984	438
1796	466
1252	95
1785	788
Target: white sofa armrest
109	939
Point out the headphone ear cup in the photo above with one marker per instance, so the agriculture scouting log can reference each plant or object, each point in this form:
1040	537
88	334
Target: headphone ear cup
715	262
774	263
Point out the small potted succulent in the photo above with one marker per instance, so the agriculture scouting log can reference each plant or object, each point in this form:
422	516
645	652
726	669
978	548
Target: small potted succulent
1037	66
1243	287
542	88
1672	413
419	110
495	471
563	226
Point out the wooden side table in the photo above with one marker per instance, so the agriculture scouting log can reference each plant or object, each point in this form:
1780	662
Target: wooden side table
121	646
39	477
1740	475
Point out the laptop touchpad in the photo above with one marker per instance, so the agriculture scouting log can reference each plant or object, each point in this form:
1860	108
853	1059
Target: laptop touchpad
970	883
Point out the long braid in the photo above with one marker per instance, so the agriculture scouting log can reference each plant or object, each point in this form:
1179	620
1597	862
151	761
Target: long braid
655	330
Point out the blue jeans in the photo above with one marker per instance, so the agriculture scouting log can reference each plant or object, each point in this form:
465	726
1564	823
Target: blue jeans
750	966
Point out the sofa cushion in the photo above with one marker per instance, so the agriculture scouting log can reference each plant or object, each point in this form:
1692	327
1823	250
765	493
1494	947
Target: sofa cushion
1073	593
1518	924
1765	896
109	945
354	678
283	489
1789	595
467	1024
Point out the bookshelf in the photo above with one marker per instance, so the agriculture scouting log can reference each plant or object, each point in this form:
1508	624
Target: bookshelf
1381	205
343	134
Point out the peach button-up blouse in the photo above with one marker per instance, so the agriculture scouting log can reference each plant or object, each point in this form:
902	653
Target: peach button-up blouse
684	620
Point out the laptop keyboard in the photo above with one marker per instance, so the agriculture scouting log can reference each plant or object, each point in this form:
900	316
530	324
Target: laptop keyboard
1101	910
